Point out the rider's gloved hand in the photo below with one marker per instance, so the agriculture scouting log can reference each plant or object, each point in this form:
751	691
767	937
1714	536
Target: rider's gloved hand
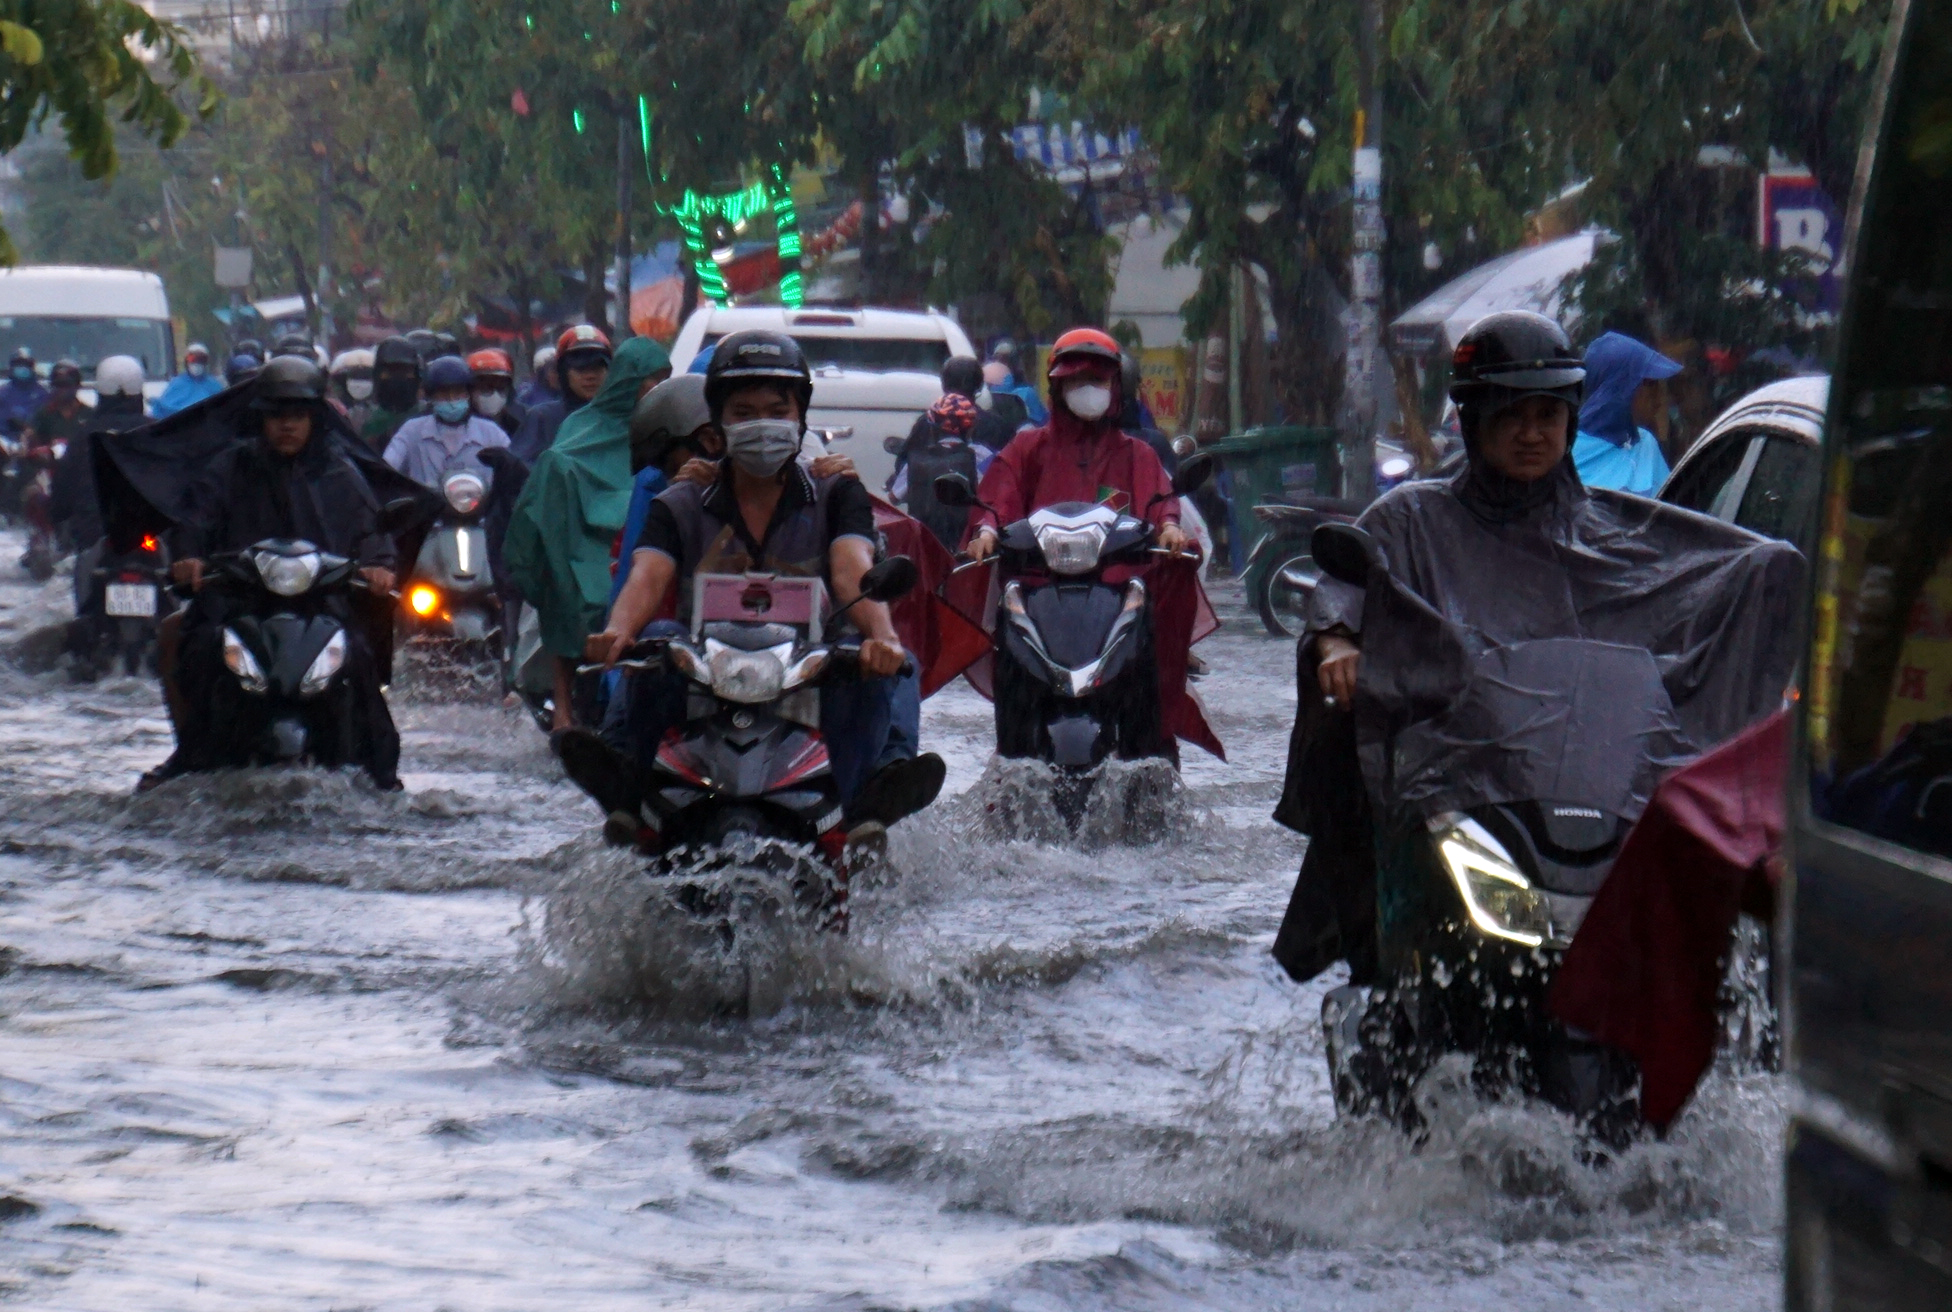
983	544
882	657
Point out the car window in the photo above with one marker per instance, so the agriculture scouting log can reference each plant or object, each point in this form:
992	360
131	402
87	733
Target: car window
1879	692
1782	490
1699	483
874	355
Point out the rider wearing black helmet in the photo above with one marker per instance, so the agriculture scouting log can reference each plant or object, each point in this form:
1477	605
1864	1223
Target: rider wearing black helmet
757	390
285	478
294	344
396	390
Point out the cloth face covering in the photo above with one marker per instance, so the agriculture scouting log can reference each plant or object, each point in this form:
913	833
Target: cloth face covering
451	412
1088	400
762	447
490	404
359	388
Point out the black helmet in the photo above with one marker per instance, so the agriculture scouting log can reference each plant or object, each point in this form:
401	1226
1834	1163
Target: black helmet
1509	356
964	374
446	344
293	344
396	350
757	355
65	373
288	379
252	347
425	344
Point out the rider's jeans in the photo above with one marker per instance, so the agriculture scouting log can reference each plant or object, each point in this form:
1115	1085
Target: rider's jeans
864	723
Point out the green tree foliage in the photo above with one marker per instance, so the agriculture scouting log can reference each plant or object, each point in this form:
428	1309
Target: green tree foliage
89	64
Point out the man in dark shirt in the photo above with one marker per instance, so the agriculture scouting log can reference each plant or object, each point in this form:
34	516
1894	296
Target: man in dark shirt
767	513
288	479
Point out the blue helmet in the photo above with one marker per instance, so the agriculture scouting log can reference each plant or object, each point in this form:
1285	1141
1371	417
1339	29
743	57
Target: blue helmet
447	371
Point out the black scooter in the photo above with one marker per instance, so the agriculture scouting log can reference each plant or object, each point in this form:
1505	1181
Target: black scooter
1475	908
745	778
121	607
285	645
1075	677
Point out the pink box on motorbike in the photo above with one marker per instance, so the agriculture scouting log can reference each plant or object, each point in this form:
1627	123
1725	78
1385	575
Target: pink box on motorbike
759	599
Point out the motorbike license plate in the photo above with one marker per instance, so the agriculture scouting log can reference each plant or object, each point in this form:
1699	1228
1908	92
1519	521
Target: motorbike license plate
131	599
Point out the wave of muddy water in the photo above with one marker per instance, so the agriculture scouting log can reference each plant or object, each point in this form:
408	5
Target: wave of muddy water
279	1041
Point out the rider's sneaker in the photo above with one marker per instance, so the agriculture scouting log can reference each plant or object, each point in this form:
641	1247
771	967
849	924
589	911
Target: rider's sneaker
600	770
898	790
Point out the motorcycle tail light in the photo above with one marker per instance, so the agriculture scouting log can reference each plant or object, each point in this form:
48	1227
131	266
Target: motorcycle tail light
149	544
324	665
239	661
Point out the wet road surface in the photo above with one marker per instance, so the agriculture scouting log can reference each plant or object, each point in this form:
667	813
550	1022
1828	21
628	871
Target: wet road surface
276	1040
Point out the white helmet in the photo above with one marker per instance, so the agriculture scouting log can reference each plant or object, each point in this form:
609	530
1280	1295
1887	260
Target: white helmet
118	375
543	359
346	361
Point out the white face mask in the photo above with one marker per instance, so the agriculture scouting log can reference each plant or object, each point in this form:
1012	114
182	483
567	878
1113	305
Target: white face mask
359	388
1088	400
762	447
489	404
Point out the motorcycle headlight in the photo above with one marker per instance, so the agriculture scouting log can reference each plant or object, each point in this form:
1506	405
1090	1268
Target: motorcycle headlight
745	676
288	576
464	492
1071	550
239	661
1497	896
806	669
324	665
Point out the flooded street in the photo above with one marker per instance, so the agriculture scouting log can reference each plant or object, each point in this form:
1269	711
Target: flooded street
279	1041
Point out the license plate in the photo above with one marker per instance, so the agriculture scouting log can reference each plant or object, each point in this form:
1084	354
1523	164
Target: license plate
134	599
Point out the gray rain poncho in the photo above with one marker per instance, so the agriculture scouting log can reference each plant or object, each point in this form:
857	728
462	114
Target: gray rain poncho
1682	633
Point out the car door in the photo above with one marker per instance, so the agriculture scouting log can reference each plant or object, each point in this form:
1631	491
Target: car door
1712	478
1868	908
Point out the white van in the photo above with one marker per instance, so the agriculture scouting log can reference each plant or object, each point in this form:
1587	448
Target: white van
84	314
874	371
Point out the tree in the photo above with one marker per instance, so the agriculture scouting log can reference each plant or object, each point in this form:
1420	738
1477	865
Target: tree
79	60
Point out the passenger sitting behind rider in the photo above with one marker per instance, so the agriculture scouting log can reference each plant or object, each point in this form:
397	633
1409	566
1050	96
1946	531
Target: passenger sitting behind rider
766	512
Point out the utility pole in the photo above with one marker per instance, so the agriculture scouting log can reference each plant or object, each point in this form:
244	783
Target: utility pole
323	284
1365	265
622	320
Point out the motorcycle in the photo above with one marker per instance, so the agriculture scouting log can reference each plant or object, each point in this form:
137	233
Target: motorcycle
285	645
1281	573
43	545
1476	907
451	599
745	778
116	623
1075	677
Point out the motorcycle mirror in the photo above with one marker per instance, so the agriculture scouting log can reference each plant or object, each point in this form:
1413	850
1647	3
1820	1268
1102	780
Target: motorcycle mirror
954	490
893	443
1346	553
891	580
397	515
1193	473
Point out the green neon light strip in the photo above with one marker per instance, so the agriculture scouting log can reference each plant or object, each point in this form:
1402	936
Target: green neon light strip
644	131
735	208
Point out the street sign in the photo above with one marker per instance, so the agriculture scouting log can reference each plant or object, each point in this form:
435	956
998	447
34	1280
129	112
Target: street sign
234	267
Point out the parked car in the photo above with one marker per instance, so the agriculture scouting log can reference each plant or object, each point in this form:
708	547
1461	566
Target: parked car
1760	464
1868	897
874	371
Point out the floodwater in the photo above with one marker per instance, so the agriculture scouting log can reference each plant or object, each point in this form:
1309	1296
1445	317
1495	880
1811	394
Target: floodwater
277	1041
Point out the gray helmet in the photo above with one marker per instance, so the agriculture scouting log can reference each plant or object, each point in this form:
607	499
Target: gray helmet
288	380
667	414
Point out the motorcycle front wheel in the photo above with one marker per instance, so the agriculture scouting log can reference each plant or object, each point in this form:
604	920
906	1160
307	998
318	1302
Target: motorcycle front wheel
1285	590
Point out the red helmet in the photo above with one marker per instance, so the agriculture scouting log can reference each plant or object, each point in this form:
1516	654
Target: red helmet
491	363
583	339
1084	351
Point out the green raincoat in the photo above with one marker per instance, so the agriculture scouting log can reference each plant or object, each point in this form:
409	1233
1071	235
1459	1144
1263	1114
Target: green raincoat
573	507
